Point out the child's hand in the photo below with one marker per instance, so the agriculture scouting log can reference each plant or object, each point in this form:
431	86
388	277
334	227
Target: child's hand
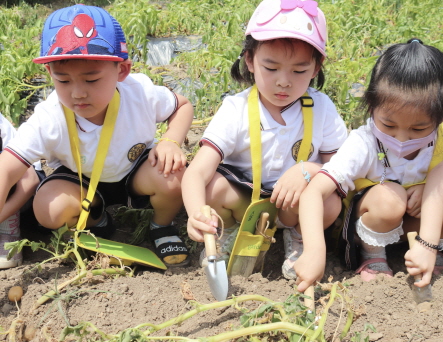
198	224
168	157
288	189
420	260
309	269
414	193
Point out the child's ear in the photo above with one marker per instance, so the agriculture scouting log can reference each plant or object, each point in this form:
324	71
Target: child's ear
318	67
249	62
48	68
124	69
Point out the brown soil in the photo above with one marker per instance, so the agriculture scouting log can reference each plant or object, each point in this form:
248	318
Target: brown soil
155	296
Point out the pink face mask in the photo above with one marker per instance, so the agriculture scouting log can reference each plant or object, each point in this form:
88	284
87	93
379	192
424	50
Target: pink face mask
398	148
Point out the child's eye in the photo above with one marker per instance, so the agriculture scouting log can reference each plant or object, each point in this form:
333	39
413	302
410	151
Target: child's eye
387	126
300	72
418	129
92	81
60	81
269	69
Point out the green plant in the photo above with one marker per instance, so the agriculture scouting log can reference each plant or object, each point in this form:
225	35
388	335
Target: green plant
358	336
139	220
289	321
60	249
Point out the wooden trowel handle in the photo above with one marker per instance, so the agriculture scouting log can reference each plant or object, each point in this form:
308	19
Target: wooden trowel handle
209	238
411	240
309	302
261	226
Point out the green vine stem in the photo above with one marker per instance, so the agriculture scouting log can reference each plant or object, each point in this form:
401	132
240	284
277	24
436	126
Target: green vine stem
83	273
253	330
201	308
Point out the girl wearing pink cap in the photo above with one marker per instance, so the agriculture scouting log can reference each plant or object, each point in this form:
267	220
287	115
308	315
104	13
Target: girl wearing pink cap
282	58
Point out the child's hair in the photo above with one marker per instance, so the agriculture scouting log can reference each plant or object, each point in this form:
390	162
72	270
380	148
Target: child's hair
405	75
241	74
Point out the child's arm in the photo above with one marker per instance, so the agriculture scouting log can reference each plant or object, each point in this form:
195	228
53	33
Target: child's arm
420	259
24	190
168	154
11	171
311	264
195	180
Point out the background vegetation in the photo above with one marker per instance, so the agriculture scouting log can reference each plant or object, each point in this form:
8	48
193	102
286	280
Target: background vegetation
358	31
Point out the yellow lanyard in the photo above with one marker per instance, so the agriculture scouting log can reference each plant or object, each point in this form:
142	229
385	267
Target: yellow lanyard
255	136
102	150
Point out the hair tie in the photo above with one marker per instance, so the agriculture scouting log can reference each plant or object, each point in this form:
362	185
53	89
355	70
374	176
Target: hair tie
241	54
415	40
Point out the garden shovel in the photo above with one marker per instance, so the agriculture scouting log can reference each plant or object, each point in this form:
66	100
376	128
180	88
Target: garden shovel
216	270
420	294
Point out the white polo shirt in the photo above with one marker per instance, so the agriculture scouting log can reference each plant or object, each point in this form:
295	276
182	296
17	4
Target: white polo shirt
7	131
358	158
228	133
142	106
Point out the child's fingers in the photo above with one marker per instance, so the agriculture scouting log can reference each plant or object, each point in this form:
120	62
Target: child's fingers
295	199
275	193
289	199
168	164
280	198
303	285
178	163
152	159
425	280
195	235
205	223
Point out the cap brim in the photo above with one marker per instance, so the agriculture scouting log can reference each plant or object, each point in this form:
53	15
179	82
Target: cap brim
53	58
269	35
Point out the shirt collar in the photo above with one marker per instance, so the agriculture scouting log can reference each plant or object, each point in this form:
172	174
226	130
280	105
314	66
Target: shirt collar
266	120
85	125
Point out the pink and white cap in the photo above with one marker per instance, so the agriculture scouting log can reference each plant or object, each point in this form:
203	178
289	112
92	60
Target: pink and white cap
297	19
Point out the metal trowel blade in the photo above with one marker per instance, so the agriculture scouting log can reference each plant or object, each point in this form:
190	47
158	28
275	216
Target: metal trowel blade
217	279
422	294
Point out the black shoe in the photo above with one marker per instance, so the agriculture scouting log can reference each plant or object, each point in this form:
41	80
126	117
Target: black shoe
104	232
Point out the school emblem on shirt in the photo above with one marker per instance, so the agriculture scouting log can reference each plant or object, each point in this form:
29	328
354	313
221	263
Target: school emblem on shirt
296	148
135	152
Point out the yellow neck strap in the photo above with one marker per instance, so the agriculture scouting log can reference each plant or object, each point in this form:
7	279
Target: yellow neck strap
102	150
255	134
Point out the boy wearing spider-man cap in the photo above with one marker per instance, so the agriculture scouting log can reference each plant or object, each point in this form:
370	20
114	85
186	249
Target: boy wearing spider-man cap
84	50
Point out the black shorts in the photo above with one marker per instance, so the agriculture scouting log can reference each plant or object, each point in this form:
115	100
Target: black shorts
109	193
349	250
40	174
234	175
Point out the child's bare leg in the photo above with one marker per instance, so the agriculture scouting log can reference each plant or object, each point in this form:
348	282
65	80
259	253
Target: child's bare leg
165	192
166	200
331	209
58	203
380	213
229	201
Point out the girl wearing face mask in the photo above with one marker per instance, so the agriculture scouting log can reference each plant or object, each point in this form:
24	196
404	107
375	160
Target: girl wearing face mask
381	167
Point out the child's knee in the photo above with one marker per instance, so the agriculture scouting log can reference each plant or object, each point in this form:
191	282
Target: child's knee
388	202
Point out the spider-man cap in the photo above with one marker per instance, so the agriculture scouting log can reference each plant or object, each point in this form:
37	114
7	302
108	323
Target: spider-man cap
82	32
